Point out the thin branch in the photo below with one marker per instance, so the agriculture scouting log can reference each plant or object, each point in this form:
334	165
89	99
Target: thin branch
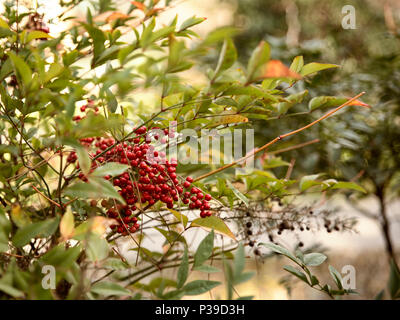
297	146
47	198
265	146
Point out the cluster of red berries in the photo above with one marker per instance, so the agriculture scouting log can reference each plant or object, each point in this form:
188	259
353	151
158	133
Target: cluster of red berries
153	178
85	108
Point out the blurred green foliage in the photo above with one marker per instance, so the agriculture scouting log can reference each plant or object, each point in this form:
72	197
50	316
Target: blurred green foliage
45	82
365	146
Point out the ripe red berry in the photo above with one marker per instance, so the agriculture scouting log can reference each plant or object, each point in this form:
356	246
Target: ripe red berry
194	190
141	130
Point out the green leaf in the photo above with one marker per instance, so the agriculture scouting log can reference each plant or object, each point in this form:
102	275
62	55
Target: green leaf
97	248
207	268
314	280
162	33
204	250
246	276
4	24
315	67
6	288
36	34
213	223
190	23
6	69
19	216
67	225
95	188
108	54
297	64
314	259
98	38
278	249
239	261
21	68
181	217
54	71
227	56
110	168
106	288
332	101
307	182
112	102
83	159
83	156
220	34
174	295
183	270
336	277
60	256
323	101
5	32
115	264
146	36
39	229
299	274
348	185
274	163
197	287
394	281
171	236
258	58
292	100
237	193
5	228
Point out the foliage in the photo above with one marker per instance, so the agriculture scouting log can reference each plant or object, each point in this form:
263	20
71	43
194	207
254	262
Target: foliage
304	261
71	101
364	147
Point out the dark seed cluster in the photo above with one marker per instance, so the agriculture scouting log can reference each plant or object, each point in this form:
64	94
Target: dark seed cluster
260	219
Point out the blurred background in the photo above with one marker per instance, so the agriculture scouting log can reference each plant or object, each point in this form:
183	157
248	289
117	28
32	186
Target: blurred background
363	146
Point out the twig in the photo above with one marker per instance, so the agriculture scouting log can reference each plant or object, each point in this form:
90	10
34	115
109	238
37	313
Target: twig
290	169
265	146
297	146
47	198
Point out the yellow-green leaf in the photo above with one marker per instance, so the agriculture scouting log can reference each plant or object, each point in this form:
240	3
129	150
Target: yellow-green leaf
215	223
36	34
181	217
315	67
21	67
230	118
67	226
3	24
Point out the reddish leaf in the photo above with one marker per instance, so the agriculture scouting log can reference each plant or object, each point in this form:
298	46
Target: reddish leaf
116	15
359	103
276	69
139	5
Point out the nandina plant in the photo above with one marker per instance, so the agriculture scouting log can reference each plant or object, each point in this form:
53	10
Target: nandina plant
86	162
